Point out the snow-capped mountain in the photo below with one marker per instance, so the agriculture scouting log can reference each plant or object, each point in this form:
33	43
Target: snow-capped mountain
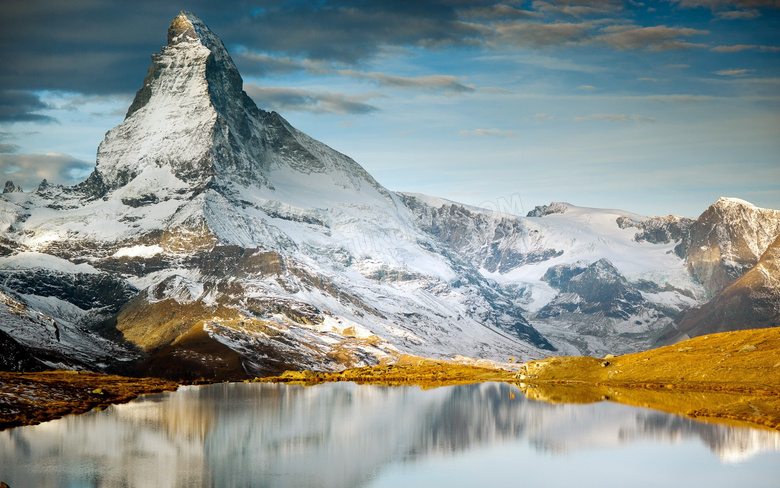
727	240
214	239
590	280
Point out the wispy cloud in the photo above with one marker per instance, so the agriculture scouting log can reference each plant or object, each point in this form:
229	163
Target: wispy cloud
655	38
682	98
718	4
536	34
744	47
738	14
263	65
619	36
488	132
293	99
615	118
497	12
581	8
441	82
734	72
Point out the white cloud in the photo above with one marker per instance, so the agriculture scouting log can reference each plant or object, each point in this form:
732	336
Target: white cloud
28	170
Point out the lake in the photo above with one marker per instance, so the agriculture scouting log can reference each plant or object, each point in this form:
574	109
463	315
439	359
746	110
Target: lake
345	435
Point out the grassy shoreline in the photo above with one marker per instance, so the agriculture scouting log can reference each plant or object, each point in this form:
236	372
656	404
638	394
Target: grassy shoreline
733	377
32	398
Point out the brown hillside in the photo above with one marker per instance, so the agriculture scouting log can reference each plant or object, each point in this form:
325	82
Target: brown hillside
751	301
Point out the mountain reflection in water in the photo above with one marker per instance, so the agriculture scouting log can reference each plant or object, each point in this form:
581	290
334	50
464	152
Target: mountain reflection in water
344	435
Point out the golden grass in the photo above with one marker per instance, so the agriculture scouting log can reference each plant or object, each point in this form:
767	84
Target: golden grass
32	398
728	376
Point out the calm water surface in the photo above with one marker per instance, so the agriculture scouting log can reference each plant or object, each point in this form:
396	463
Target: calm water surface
344	435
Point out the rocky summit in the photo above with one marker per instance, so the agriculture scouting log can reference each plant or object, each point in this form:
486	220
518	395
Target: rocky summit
213	239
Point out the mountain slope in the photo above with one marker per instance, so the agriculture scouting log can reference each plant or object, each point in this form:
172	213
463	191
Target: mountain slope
727	240
241	236
634	285
750	302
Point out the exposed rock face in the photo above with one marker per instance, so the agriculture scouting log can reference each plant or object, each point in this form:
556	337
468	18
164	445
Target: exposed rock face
494	243
88	291
542	210
10	187
602	308
659	230
16	357
727	240
751	301
599	288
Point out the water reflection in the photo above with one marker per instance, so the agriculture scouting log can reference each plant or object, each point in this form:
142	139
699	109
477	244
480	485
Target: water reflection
343	435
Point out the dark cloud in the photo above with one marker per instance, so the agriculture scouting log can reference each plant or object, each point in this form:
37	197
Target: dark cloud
80	46
353	30
97	47
28	170
292	99
21	106
8	148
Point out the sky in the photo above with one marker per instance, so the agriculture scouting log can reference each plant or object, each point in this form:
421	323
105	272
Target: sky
651	107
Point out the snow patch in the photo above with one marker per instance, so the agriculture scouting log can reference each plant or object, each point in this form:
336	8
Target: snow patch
37	260
138	251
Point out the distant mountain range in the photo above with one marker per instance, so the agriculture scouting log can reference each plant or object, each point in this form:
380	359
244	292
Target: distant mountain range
213	239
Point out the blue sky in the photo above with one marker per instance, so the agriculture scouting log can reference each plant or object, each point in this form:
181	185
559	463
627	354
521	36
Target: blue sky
652	107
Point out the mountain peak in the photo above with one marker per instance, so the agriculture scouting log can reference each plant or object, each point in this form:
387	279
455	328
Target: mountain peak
726	201
191	127
189	118
182	28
